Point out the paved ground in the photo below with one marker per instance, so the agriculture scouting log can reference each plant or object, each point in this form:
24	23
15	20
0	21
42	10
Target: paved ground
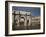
26	27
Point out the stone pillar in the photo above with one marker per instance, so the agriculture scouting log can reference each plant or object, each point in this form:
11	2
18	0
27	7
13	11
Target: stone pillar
25	23
18	22
29	21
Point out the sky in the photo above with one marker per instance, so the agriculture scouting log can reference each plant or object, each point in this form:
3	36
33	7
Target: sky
34	10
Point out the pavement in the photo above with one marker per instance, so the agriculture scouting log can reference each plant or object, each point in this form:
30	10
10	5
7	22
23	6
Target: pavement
21	27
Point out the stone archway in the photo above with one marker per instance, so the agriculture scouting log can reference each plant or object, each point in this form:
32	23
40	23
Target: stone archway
22	19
